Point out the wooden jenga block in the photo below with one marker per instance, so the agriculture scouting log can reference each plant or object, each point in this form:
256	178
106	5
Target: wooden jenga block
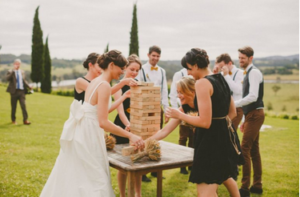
144	89
142	83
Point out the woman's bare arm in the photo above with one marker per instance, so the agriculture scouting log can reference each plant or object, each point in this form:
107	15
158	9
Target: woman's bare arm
81	85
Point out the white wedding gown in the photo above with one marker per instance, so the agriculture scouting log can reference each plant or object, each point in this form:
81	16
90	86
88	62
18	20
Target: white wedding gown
82	167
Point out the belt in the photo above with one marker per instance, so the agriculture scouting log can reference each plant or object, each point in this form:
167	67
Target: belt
230	129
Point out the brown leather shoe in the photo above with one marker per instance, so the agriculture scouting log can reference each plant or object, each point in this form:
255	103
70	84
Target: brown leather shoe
14	122
26	122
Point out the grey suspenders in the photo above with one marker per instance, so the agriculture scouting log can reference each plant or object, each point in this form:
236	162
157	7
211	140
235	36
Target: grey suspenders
235	75
162	79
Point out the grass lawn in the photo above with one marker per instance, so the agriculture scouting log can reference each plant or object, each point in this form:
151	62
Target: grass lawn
287	95
28	153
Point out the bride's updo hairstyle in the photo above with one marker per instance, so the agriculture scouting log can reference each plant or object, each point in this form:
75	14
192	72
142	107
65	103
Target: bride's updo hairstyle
114	56
195	56
92	58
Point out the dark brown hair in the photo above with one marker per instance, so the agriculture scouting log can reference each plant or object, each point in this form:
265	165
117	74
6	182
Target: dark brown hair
114	56
92	58
248	51
224	57
134	58
155	49
195	56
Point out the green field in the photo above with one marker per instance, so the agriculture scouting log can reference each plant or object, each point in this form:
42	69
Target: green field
28	153
287	96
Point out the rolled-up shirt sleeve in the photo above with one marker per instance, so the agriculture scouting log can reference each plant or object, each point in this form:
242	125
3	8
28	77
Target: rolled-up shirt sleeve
255	78
173	91
165	101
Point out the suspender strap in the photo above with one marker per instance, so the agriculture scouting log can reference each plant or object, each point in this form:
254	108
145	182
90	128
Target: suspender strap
162	81
144	75
235	74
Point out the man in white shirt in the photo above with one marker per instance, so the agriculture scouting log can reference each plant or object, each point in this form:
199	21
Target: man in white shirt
174	100
151	72
234	78
185	132
252	104
17	87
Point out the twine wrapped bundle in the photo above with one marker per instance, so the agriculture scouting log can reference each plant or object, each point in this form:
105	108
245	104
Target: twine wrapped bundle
110	141
152	151
190	113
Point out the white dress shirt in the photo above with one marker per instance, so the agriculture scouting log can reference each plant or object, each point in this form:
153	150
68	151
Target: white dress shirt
156	77
20	79
174	100
236	85
255	78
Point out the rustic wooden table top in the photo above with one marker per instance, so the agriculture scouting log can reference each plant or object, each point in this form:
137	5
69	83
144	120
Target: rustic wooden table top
172	154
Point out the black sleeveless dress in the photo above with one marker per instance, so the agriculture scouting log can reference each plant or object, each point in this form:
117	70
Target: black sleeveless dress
118	121
213	150
80	96
186	108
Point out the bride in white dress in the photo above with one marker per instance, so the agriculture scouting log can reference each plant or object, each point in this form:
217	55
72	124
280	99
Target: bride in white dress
82	167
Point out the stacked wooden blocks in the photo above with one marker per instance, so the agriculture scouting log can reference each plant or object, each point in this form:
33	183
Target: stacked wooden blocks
145	109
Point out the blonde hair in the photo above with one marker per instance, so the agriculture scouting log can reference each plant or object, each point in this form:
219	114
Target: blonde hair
187	85
134	59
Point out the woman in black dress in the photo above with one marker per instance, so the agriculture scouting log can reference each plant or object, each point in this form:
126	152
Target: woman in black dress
93	71
123	119
212	141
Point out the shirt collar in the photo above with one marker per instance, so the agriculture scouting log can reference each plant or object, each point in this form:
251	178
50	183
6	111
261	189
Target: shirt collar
251	65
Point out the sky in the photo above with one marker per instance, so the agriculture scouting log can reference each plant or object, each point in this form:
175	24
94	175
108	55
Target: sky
79	27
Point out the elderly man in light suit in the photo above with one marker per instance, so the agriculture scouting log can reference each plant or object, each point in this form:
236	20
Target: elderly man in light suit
17	88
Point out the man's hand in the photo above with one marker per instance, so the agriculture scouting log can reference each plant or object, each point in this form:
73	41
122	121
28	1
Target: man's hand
242	127
216	69
225	70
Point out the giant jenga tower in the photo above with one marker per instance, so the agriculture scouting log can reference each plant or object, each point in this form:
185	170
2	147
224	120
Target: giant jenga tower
145	109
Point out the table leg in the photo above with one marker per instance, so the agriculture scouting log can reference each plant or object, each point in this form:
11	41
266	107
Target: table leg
159	184
130	183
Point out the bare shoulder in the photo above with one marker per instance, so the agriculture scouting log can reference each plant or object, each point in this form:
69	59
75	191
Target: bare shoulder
80	81
204	85
202	82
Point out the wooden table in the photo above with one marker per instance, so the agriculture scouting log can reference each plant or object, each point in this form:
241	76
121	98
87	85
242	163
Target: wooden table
173	156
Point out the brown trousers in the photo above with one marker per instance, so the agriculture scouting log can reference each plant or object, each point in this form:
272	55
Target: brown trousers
239	115
250	148
14	97
186	132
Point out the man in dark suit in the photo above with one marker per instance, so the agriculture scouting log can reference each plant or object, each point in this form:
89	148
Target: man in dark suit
17	88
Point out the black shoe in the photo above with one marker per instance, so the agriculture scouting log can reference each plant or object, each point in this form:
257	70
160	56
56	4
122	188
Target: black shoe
183	171
256	190
145	179
154	174
244	193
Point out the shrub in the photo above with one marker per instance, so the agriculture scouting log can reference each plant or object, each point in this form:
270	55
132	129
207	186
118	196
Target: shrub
283	108
269	106
294	117
63	93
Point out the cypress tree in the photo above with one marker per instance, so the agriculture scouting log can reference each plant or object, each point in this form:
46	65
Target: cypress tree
37	50
46	82
107	48
134	40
